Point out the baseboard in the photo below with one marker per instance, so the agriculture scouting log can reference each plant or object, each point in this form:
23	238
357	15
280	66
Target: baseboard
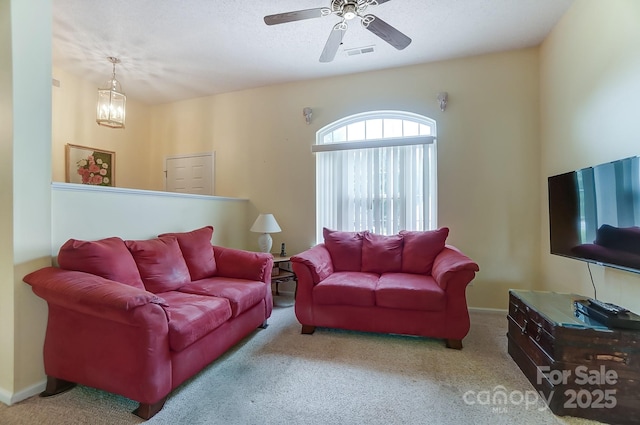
5	397
474	309
488	310
9	398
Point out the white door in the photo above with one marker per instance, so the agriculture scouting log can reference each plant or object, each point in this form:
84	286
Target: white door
190	174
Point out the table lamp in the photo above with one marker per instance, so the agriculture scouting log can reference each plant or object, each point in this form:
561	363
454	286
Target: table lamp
265	224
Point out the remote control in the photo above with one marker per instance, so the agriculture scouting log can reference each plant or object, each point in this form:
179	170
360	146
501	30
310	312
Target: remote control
588	312
607	307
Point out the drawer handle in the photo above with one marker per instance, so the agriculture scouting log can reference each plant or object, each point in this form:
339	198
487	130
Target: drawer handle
539	333
524	327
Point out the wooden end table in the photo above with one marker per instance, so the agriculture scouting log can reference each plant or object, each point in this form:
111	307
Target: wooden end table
282	271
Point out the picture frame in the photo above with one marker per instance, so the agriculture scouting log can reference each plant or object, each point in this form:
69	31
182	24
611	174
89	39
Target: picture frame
86	165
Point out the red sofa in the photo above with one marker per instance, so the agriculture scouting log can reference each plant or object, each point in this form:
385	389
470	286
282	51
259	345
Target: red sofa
138	318
410	283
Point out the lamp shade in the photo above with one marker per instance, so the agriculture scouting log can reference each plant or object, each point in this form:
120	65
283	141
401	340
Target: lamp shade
266	223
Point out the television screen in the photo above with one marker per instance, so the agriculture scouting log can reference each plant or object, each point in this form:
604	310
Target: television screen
594	214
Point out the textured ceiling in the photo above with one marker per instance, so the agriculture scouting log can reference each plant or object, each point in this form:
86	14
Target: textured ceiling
173	50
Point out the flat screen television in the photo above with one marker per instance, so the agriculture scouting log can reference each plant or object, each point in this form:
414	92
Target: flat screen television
594	214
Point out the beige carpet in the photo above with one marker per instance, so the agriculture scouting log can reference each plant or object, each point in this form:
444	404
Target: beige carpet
278	376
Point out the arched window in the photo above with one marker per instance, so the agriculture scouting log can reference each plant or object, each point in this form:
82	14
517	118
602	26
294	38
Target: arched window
376	171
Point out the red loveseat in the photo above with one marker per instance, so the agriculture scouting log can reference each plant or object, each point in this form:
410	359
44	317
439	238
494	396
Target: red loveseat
139	318
410	283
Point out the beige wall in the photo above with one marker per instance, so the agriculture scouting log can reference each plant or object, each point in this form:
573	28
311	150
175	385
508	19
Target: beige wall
488	154
25	219
590	114
7	311
74	122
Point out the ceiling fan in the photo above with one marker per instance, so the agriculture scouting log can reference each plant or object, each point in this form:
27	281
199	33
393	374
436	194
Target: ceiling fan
347	10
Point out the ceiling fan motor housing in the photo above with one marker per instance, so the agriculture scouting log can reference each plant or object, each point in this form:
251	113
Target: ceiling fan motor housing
348	9
349	12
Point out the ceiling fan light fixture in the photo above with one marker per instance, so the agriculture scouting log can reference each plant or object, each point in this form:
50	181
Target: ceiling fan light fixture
111	107
349	11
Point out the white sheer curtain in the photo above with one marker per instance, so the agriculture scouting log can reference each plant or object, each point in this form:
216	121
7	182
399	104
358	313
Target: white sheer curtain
381	185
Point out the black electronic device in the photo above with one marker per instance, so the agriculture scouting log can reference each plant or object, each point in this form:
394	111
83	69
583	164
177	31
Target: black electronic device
608	308
608	314
593	214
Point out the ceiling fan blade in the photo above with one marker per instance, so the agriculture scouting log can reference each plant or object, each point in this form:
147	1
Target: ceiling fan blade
381	1
387	32
333	43
298	15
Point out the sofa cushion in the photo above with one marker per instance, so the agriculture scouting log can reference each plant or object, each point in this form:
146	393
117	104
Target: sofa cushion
197	251
410	291
160	263
421	248
347	288
345	249
381	254
242	294
193	316
108	258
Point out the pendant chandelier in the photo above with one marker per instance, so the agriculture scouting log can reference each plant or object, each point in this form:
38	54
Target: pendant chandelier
111	101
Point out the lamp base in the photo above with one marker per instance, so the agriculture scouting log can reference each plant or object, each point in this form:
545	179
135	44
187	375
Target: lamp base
265	242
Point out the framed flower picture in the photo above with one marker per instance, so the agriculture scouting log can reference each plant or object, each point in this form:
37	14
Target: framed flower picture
85	165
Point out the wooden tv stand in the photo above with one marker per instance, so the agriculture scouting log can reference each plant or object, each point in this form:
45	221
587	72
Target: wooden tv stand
582	368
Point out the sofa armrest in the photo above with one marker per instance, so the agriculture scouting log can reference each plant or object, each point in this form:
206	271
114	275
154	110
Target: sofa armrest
87	293
241	264
104	334
317	260
452	267
311	267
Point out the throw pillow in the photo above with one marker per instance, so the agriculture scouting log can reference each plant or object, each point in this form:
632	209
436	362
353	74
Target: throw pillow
160	263
197	251
421	248
345	249
381	254
108	258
